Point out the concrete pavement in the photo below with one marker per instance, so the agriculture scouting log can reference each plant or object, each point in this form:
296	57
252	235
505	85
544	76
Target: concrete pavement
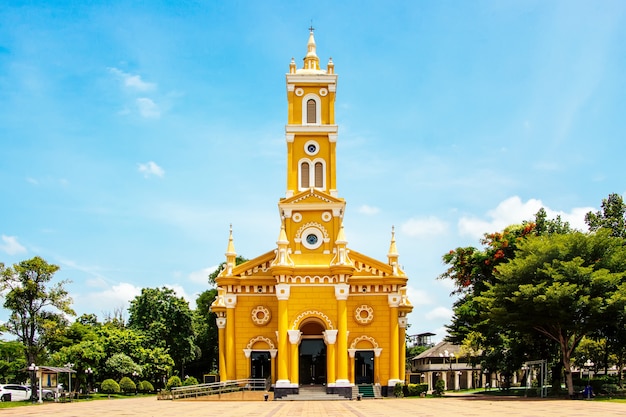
426	407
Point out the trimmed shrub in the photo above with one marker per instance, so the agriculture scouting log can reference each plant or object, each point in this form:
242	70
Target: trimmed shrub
190	381
109	386
127	385
174	381
414	390
147	386
398	390
440	388
140	386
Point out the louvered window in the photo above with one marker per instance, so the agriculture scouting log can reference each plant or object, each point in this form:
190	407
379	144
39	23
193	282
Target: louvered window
311	109
319	175
304	175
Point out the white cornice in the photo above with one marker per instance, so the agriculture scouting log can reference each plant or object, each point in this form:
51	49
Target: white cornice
329	79
330	129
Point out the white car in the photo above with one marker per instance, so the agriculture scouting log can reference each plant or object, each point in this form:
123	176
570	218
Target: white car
22	392
17	392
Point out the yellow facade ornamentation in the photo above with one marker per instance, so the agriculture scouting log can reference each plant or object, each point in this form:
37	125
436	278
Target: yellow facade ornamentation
284	315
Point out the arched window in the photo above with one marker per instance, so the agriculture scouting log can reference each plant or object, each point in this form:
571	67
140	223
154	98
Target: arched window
304	175
311	111
319	175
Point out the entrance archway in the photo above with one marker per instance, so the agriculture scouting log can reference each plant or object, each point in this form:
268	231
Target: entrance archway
312	354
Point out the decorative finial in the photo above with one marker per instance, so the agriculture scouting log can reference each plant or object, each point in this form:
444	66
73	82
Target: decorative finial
311	28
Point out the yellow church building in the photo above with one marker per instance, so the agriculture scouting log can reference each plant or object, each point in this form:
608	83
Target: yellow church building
312	311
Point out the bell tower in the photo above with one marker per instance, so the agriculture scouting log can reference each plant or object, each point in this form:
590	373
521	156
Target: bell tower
311	210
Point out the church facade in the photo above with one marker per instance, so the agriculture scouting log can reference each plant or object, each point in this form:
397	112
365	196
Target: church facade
312	311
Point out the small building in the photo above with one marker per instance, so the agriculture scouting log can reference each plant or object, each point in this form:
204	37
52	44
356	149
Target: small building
447	362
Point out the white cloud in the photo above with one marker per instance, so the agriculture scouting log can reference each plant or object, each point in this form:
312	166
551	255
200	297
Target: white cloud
180	292
419	297
109	299
439	313
202	276
133	81
429	226
368	210
148	108
11	246
514	211
151	168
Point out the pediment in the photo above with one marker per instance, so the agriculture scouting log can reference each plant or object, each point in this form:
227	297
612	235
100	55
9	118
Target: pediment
366	266
254	267
312	196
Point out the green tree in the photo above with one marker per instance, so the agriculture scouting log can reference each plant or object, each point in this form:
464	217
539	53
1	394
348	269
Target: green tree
206	334
35	306
166	321
12	361
612	216
560	287
121	365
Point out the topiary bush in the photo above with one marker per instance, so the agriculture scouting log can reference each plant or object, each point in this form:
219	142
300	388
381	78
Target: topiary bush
127	385
109	386
147	386
190	381
398	390
140	386
440	388
173	382
415	390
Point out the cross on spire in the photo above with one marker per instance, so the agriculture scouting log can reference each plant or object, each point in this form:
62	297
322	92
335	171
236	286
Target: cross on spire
311	28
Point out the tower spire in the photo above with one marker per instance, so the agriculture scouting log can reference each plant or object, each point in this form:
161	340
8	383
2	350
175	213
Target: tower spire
231	254
311	61
392	256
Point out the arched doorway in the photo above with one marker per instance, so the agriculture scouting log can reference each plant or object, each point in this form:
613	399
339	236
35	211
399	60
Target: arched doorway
312	354
364	367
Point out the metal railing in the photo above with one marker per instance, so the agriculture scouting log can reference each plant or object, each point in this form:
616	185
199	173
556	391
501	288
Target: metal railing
217	388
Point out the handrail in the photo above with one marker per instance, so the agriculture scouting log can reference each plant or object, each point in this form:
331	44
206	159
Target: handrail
213	388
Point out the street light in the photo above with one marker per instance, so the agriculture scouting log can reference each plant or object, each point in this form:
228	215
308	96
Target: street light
135	374
88	375
33	372
69	377
589	365
450	357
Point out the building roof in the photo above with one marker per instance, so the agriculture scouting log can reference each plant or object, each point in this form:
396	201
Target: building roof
439	350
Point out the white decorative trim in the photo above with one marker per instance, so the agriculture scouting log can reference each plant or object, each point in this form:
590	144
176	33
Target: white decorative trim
362	338
394	299
261	315
402	322
296	217
310	232
294	336
312	313
330	336
290	137
252	342
326	216
311	224
299	92
323	92
311	142
230	300
342	291
283	291
221	322
364	318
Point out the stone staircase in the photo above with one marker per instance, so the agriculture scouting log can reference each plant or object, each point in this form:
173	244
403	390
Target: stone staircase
312	393
369	391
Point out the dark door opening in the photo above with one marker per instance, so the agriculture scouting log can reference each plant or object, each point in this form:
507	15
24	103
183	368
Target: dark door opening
364	367
312	362
260	365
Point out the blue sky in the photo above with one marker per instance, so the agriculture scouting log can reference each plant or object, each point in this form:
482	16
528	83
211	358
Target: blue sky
134	133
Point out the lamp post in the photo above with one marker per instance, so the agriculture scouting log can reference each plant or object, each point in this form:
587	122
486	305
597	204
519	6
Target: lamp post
589	365
88	375
135	374
447	356
33	369
69	377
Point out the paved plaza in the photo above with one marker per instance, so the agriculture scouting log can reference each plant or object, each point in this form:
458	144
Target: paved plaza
367	408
